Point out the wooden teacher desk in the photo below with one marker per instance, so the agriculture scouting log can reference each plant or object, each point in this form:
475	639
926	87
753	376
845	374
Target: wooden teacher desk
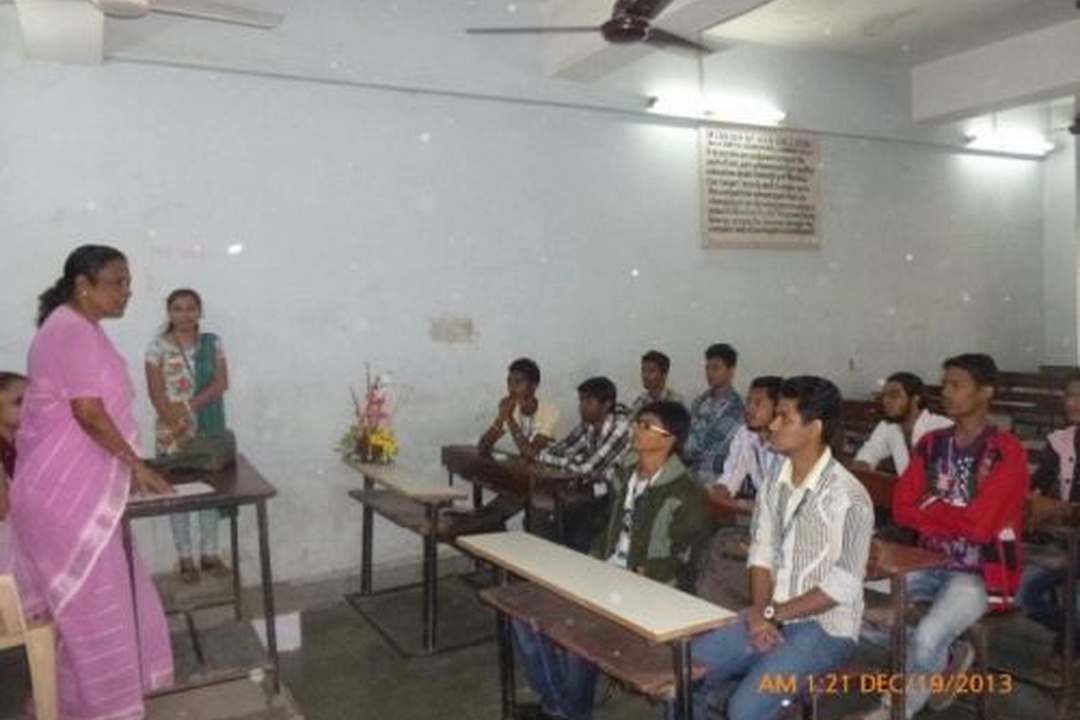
236	485
654	612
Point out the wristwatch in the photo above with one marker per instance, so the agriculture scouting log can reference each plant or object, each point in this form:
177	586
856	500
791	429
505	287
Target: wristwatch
768	613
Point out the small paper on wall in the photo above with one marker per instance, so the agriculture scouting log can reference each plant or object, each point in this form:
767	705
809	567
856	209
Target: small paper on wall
453	329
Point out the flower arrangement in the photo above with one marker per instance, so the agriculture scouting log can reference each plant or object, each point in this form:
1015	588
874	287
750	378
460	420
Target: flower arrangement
371	438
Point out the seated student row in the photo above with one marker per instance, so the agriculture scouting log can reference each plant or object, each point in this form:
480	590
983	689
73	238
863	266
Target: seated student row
810	533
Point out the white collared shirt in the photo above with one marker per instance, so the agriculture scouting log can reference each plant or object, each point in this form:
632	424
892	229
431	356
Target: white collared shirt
748	456
816	535
887	440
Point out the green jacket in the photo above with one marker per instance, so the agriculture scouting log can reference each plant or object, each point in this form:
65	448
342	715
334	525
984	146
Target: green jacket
671	521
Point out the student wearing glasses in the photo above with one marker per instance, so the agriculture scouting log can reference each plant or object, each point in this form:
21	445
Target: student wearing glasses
658	515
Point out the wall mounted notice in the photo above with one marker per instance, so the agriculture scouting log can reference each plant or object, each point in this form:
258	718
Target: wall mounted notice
760	188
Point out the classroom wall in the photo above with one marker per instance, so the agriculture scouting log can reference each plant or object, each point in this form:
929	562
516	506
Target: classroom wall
1061	237
328	226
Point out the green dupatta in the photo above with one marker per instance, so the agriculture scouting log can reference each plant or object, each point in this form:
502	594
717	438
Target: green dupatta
210	418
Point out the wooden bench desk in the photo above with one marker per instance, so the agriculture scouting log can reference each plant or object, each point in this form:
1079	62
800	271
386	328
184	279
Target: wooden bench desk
514	475
405	498
656	613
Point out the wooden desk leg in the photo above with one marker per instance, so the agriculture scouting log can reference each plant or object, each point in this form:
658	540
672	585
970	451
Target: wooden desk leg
234	540
684	708
268	594
367	528
431	579
899	644
1069	674
129	551
560	515
506	654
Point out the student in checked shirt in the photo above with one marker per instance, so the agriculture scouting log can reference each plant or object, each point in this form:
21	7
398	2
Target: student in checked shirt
811	532
591	448
714	415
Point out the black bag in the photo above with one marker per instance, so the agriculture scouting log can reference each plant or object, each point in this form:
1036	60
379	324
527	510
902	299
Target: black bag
205	453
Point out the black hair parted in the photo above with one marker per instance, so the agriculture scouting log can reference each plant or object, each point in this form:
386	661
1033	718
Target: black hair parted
85	260
816	399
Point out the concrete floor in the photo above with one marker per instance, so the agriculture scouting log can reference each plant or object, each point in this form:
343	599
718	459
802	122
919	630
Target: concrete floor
345	670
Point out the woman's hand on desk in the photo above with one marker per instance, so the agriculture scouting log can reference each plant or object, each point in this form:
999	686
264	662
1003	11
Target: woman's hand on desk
148	481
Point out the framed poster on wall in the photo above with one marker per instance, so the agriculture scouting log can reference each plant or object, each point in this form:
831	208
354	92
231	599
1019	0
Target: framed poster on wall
760	188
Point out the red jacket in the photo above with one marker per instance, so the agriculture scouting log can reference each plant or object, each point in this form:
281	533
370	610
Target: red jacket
996	505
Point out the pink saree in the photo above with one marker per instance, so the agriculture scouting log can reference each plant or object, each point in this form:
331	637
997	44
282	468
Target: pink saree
67	500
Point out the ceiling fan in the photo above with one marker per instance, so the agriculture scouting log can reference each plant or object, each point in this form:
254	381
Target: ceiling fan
631	22
202	9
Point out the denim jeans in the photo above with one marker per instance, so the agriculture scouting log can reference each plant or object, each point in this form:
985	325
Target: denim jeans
565	682
957	600
1039	597
208	532
729	658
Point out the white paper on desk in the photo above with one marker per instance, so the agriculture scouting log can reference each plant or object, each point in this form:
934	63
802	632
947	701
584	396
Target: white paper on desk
182	490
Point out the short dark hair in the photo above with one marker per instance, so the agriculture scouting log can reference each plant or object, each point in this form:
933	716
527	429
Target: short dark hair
673	416
528	368
770	384
658	359
599	388
912	383
980	366
722	351
816	399
7	379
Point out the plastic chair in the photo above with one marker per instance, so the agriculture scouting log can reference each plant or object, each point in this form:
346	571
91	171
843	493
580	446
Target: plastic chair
39	637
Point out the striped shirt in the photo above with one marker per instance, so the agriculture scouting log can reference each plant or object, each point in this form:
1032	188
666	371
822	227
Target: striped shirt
589	451
816	535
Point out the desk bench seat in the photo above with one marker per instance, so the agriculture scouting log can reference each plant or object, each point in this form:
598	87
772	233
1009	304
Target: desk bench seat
619	653
413	516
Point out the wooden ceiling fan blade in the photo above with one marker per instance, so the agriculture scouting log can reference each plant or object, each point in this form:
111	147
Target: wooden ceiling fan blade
530	30
670	41
218	12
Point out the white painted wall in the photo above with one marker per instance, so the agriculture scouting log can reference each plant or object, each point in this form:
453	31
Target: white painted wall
1060	242
364	214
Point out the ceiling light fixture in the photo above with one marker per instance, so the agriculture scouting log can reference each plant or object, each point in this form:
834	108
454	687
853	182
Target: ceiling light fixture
1025	143
741	111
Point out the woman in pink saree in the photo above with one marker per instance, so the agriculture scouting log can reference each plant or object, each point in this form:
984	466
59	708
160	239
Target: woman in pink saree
75	468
